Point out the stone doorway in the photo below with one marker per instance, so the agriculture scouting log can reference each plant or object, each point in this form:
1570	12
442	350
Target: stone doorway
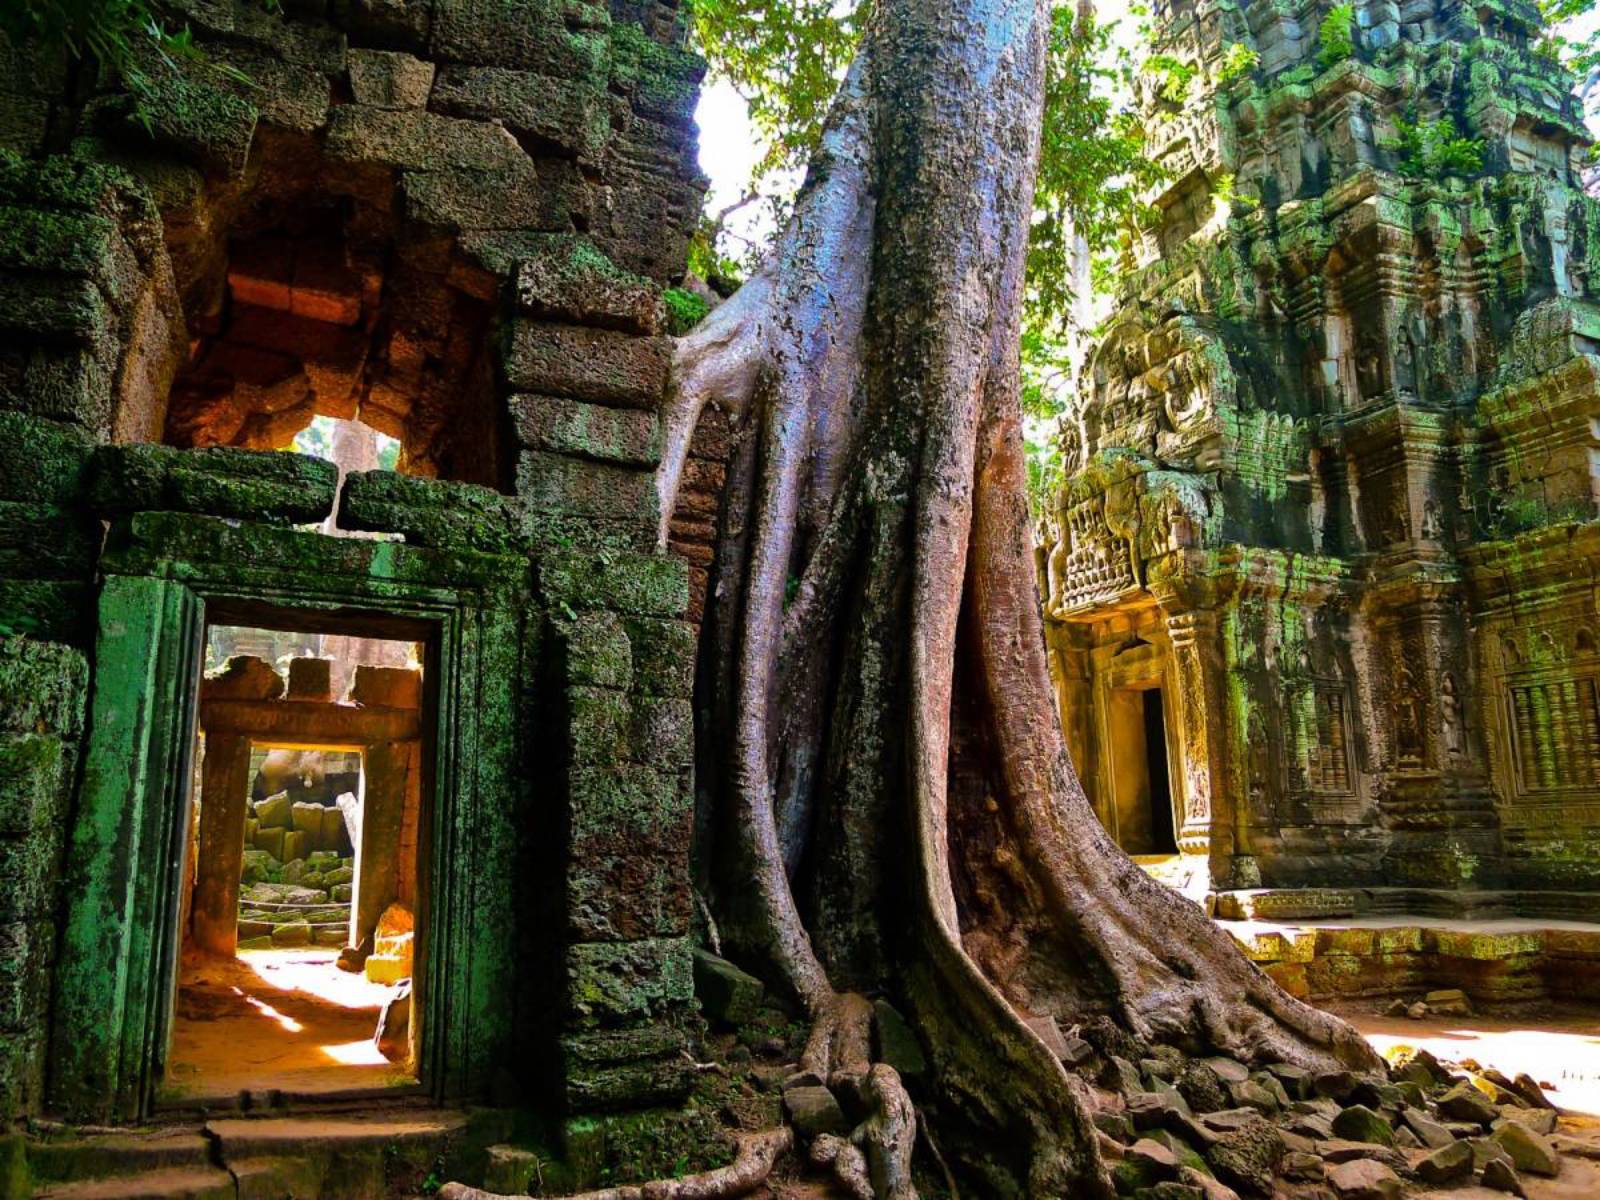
1141	778
300	884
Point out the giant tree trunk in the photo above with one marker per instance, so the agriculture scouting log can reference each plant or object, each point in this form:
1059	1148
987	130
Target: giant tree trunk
892	807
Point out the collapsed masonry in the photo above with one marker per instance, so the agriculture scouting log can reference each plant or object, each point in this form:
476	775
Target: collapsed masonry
453	221
1320	582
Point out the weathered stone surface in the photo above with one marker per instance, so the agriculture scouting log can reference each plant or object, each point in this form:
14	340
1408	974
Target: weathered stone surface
1246	1156
224	481
1360	1124
1465	1103
633	584
430	512
390	79
1364	1179
593	431
1446	1164
726	993
570	113
896	1043
1529	1152
594	364
1428	1131
813	1111
420	140
1500	1176
608	983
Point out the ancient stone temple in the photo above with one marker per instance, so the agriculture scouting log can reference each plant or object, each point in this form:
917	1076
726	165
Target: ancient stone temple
450	221
1320	584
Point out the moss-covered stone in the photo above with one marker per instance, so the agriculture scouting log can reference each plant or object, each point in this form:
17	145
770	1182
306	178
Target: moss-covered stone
593	431
430	512
259	485
597	652
611	983
41	460
637	585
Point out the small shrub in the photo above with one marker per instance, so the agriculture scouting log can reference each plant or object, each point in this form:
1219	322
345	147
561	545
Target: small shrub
1434	149
685	310
1337	35
1237	62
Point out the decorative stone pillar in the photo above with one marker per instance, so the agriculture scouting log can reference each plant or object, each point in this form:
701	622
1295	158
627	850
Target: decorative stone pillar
225	781
1197	679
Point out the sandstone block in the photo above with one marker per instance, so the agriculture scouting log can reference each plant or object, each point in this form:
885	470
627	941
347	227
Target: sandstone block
1446	1164
635	585
813	1111
1529	1152
555	483
588	364
1501	1176
1364	1179
597	651
726	993
390	79
419	140
630	437
571	113
542	196
386	687
309	679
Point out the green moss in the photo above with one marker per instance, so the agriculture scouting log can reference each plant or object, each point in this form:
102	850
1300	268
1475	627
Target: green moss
685	310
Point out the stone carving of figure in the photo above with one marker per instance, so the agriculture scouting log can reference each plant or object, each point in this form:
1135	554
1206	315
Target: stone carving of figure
1432	520
1407	715
1071	446
1056	566
1454	733
1369	368
1405	362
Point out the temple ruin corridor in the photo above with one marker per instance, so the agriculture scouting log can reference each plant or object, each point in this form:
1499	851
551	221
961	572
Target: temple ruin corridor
301	881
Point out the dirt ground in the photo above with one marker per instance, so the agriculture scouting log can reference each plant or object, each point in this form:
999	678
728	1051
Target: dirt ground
276	1019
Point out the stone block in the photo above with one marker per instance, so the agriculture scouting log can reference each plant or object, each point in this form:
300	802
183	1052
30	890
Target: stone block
627	870
554	483
40	541
42	461
635	585
628	1086
596	651
418	140
582	363
35	769
662	732
598	726
541	196
386	687
663	656
430	512
1364	1179
574	114
1528	1151
565	40
27	949
390	79
397	24
726	993
565	277
615	982
242	677
66	308
31	868
256	485
595	431
205	124
813	1111
310	679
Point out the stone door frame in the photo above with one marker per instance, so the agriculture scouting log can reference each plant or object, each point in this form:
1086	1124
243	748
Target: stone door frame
119	946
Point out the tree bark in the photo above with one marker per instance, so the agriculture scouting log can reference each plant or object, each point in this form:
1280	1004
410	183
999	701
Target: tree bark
892	809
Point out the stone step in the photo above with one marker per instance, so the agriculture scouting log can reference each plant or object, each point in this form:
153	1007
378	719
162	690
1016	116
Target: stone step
271	1137
164	1183
67	1159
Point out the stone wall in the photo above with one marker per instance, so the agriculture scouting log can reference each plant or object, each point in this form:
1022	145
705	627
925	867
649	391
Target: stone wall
1331	470
451	220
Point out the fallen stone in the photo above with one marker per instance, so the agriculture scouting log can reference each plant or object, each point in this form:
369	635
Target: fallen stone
1228	1070
1446	1164
1246	1156
1335	1085
1526	1087
1448	1002
275	812
1501	1176
1428	1131
1529	1152
1122	1076
1465	1103
1251	1094
1484	1151
1076	1051
1295	1081
1312	1125
1209	1187
293	933
1417	1011
1161	1162
509	1170
813	1111
1395	1008
1342	1150
1404	1139
1571	1145
1541	1120
1364	1179
726	993
1359	1123
1200	1086
1153	1110
1048	1032
1307	1168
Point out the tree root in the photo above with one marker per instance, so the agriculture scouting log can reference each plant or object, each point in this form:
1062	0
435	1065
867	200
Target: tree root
874	1162
758	1153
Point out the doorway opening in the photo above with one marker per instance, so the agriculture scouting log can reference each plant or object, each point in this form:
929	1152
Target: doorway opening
302	888
1141	779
